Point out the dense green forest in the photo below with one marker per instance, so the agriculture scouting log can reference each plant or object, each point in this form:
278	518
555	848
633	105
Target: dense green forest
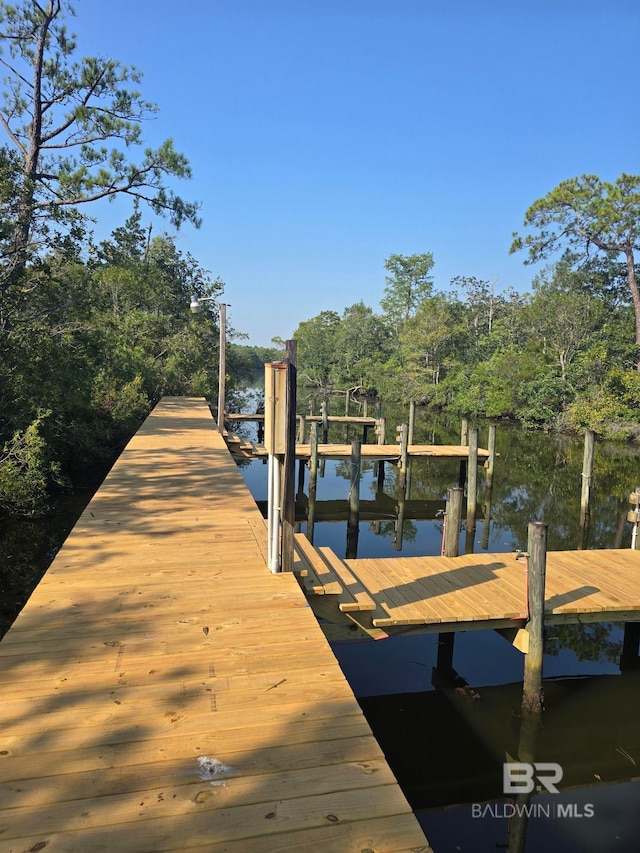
93	333
563	356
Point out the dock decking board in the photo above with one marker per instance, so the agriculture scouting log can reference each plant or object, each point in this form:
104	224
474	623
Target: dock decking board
157	637
453	593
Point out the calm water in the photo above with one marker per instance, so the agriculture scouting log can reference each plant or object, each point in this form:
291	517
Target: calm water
447	748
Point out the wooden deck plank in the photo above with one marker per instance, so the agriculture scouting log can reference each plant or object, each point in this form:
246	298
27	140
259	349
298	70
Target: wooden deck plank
158	636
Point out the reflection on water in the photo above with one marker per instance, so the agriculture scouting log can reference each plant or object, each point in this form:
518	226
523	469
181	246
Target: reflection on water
447	738
445	745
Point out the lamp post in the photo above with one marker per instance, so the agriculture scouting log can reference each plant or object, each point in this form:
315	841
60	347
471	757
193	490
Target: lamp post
196	308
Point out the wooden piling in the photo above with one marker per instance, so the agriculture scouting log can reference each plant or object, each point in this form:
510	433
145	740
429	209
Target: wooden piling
444	660
491	447
353	522
222	364
302	428
313	461
452	520
630	647
325	421
587	477
403	431
472	479
464	439
412	421
289	466
537	564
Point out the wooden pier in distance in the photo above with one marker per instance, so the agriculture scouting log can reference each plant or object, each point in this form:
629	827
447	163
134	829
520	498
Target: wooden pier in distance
162	691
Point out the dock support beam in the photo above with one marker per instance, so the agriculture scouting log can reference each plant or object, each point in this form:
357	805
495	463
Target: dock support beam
353	523
587	477
452	520
289	466
532	684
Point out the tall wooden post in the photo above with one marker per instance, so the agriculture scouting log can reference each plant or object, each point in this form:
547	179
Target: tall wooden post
403	430
537	565
452	520
353	522
587	477
313	478
289	467
472	479
325	421
630	647
464	440
222	364
381	429
412	421
302	426
491	447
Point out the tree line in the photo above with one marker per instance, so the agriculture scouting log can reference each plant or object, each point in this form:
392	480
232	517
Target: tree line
563	356
92	334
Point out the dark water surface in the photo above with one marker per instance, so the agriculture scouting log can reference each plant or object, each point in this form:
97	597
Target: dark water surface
445	743
447	746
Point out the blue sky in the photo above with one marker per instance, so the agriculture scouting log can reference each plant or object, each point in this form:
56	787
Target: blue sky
326	135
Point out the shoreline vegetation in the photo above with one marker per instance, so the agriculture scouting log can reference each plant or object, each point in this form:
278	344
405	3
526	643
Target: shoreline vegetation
93	334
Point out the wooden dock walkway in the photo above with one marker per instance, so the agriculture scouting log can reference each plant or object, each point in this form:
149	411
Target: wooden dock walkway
161	691
372	452
475	591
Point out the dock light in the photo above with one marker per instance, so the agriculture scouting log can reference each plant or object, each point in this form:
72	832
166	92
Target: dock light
196	307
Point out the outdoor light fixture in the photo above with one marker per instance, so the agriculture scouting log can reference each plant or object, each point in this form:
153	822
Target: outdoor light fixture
195	307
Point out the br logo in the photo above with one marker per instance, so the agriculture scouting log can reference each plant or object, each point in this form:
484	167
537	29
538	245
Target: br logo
519	777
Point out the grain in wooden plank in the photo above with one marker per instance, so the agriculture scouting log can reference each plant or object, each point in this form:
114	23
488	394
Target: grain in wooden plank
165	795
404	583
202	825
436	588
395	606
399	834
358	598
482	587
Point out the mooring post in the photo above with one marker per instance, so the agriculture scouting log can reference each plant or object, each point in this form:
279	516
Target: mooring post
353	522
587	477
403	430
325	422
412	421
444	660
313	457
464	432
472	479
313	479
289	467
302	428
452	521
346	403
537	565
491	447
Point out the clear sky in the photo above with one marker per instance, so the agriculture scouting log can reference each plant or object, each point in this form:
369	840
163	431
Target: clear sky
325	135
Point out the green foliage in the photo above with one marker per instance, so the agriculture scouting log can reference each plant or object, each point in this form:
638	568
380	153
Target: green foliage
584	213
409	283
73	124
26	469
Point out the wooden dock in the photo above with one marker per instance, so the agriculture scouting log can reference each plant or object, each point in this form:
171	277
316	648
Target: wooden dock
474	591
163	692
372	452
